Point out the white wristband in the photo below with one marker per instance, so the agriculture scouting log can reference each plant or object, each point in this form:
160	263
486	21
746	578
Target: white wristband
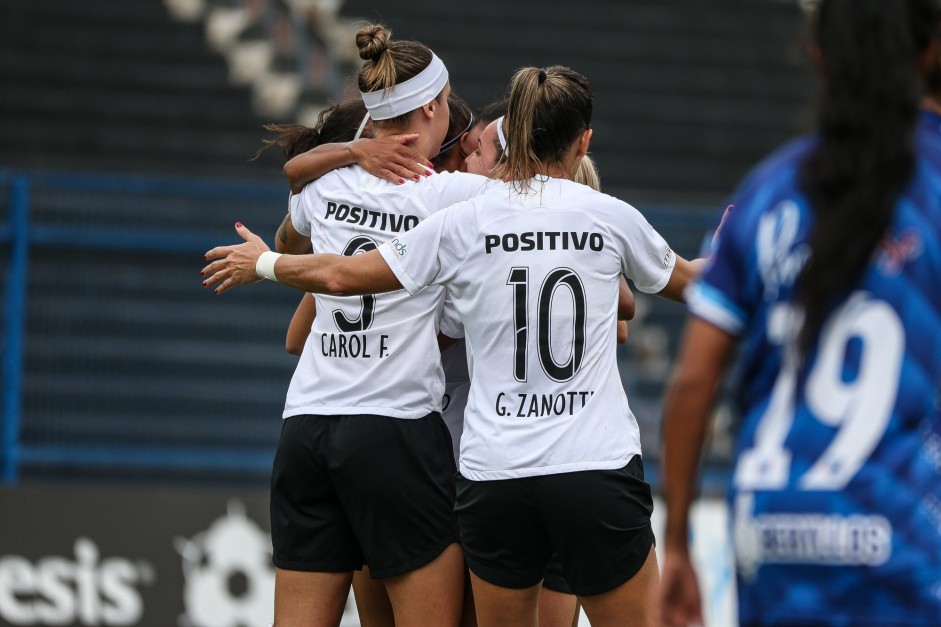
264	267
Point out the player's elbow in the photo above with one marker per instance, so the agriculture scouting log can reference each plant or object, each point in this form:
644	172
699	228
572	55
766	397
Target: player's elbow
626	310
293	174
294	345
622	331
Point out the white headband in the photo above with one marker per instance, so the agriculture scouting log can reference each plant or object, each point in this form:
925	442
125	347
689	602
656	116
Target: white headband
500	134
409	95
362	127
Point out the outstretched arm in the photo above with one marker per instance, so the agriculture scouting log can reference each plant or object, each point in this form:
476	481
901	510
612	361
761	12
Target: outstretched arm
687	271
684	272
322	273
388	158
704	354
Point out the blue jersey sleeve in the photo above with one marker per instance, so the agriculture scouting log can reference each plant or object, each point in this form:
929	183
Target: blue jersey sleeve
718	296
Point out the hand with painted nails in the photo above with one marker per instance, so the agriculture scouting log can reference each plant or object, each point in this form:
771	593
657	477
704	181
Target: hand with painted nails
234	265
391	158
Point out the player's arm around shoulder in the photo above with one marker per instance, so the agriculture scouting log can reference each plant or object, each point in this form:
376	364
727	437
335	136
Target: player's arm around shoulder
339	275
392	159
251	261
448	188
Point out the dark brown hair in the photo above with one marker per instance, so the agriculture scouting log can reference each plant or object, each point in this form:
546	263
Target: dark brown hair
338	123
865	156
459	119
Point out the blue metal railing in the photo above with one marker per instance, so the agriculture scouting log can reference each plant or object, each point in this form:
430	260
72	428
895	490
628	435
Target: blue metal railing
78	225
19	235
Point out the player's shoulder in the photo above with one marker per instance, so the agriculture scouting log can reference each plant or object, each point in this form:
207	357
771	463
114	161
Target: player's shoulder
438	182
598	206
342	181
452	178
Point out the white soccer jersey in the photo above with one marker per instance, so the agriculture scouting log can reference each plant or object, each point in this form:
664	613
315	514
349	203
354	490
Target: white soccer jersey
456	374
534	279
371	354
456	389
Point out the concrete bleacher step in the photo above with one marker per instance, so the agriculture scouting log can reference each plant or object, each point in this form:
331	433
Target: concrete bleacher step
158	40
130	147
150	107
51	68
101	11
120	86
688	93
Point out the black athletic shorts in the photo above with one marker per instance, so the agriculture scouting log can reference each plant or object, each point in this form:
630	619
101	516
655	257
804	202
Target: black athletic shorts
554	579
597	521
362	489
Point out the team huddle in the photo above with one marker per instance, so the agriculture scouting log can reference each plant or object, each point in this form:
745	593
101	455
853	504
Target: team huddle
457	443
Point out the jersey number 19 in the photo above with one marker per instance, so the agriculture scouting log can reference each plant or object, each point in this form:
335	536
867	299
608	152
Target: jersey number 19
859	409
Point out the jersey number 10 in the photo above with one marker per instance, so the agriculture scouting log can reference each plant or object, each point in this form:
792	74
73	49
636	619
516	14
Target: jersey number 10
555	279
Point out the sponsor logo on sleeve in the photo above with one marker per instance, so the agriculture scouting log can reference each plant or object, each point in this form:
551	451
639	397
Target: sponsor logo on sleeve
398	248
667	257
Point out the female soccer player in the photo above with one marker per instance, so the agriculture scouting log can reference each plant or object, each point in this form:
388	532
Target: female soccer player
342	122
363	472
550	455
827	274
450	157
558	607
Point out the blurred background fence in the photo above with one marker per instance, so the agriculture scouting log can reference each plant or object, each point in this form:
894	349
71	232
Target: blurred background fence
117	363
126	130
116	360
139	412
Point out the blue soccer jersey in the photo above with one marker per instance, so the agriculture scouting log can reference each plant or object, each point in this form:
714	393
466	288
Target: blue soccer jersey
929	122
836	493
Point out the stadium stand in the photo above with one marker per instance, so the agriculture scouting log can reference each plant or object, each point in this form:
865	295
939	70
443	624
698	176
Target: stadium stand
130	369
120	86
688	93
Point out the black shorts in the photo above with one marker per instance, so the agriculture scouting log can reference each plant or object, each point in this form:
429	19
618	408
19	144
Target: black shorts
362	489
554	579
597	521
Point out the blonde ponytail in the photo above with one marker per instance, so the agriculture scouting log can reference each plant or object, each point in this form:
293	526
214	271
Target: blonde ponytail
587	174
